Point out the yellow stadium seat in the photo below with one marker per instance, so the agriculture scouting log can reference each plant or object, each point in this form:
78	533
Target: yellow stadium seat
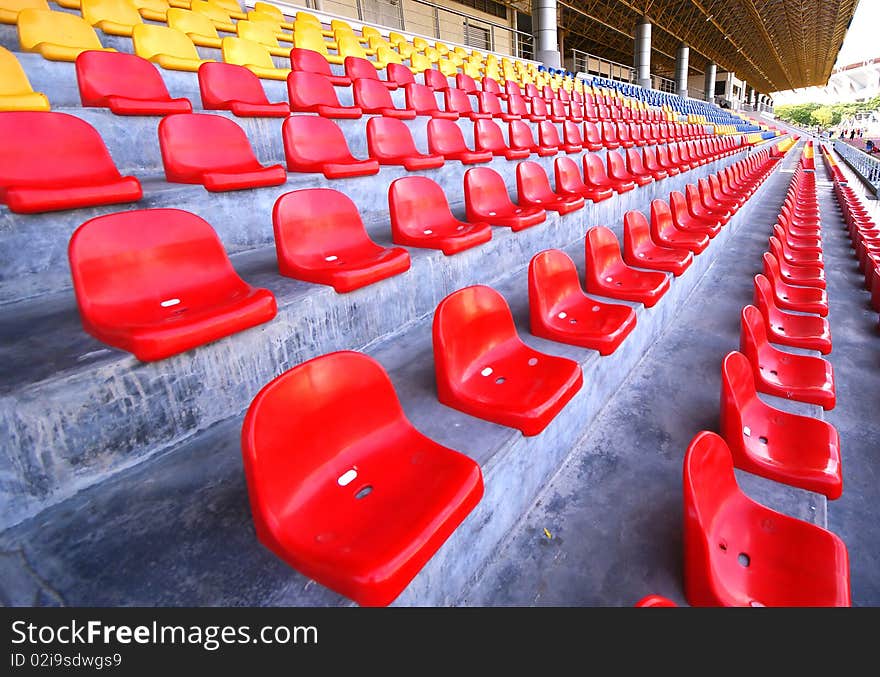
305	17
370	32
275	13
68	4
113	17
442	48
387	55
231	7
180	4
447	68
9	9
312	40
420	44
396	37
348	45
16	92
349	34
472	70
419	62
218	15
377	41
197	27
58	36
167	47
262	17
405	49
262	33
254	57
432	54
337	26
154	10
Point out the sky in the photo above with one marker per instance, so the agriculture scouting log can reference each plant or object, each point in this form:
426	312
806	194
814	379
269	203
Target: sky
861	42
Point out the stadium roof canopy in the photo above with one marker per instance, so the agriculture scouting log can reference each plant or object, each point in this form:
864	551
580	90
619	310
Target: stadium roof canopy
771	44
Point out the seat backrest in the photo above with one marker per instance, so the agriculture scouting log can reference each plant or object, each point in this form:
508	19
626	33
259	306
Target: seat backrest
764	299
634	161
229	5
491	85
568	176
520	134
103	74
222	83
753	338
133	264
310	61
594	169
214	12
616	165
417	203
553	278
246	53
457	100
310	39
771	268
708	483
468	324
662	222
539	107
371	95
678	206
571	133
348	45
488	136
444	136
435	79
399	73
532	181
462	81
602	252
389	137
198	142
118	11
548	135
41	148
150	40
13	80
313	140
420	98
36	26
357	68
271	10
260	32
516	105
329	405
636	231
591	132
309	90
312	223
737	388
485	190
9	9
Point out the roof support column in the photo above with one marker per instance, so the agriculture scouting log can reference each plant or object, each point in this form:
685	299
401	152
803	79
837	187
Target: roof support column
642	54
682	56
709	82
545	29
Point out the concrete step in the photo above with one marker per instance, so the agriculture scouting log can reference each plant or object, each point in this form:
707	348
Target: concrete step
176	528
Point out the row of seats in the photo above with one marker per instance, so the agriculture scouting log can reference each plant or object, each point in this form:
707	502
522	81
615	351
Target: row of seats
862	229
737	552
482	368
214	151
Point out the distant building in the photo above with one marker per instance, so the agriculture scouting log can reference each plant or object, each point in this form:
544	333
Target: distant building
847	84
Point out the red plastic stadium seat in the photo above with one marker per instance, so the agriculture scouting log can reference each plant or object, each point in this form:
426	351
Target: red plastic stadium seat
521	138
491	86
157	282
608	275
791	297
655	601
313	93
214	151
489	137
320	238
617	170
310	61
805	378
435	79
559	310
485	370
124	83
357	68
800	331
445	138
548	138
490	105
686	221
422	101
516	105
459	102
740	553
400	74
466	83
801	275
315	144
569	182
486	200
51	161
699	210
391	143
641	251
572	140
420	217
225	86
371	96
597	178
533	190
592	137
798	450
342	487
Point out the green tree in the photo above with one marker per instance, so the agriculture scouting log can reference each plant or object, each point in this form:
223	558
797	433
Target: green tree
823	116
